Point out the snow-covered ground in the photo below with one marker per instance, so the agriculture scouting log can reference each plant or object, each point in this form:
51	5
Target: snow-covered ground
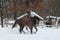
44	33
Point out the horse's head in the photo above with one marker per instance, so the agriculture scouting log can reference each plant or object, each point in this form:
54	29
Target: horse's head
37	19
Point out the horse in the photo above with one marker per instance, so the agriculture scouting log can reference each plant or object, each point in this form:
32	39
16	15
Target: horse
30	22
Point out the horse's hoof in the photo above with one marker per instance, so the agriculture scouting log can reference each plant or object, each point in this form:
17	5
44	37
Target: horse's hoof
31	33
12	27
20	32
34	32
47	26
24	33
50	26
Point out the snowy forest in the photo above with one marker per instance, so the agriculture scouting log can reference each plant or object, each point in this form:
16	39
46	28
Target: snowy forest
29	19
48	7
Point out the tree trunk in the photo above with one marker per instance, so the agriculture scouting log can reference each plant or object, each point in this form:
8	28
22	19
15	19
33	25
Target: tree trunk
1	13
15	16
1	19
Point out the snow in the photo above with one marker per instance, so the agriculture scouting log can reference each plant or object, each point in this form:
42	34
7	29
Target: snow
44	33
22	16
58	18
11	21
50	17
53	17
34	13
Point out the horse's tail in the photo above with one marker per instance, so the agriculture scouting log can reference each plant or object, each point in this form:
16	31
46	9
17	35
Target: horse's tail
14	24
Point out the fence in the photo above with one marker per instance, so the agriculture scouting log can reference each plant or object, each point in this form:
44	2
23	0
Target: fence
41	23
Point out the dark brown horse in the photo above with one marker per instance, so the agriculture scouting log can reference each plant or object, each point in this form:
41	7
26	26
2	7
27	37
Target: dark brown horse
30	22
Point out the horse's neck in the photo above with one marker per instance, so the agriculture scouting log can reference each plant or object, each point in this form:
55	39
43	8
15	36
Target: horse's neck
33	19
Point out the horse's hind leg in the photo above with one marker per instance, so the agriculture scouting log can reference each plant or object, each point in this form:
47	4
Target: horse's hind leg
36	29
14	24
27	29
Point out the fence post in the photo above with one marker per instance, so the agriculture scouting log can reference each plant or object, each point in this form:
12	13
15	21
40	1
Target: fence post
56	22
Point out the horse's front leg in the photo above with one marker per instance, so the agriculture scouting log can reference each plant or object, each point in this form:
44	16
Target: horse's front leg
36	29
21	29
